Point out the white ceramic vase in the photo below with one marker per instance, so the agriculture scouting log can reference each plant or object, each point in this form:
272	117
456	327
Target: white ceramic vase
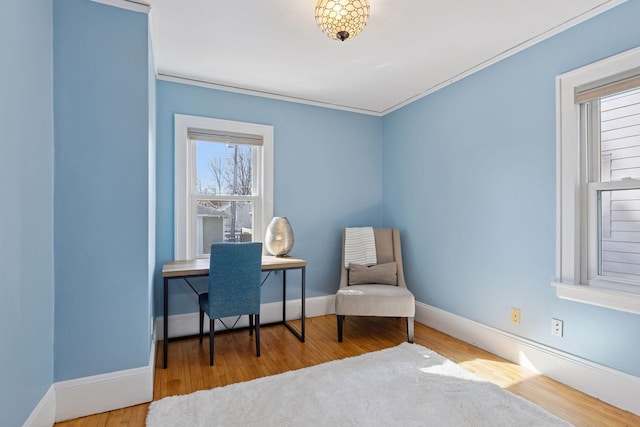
279	237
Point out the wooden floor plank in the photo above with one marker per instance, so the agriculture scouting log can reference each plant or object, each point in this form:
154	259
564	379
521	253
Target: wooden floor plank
235	361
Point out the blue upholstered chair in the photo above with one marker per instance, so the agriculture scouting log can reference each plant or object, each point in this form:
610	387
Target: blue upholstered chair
234	287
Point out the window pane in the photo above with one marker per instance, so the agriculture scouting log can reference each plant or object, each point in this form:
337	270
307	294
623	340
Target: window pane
223	169
619	233
620	136
222	221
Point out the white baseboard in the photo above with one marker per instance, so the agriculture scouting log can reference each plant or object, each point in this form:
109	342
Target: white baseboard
181	325
44	414
100	393
617	388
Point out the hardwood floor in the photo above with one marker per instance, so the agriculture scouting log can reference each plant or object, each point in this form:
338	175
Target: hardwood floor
235	361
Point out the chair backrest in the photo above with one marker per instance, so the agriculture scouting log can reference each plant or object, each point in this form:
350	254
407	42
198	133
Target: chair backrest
388	249
234	279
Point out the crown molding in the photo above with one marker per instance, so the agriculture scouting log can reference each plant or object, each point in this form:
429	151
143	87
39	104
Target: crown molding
160	75
135	6
507	53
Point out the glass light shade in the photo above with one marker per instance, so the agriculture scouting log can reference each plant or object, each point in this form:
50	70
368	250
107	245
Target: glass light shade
279	237
342	19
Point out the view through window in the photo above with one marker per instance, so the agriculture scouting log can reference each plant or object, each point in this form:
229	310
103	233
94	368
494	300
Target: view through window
223	183
223	193
618	192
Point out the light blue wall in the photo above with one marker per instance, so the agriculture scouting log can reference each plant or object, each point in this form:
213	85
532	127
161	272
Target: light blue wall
151	161
327	176
469	175
102	184
26	208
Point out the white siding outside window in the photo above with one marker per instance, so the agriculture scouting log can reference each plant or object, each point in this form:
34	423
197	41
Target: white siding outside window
620	209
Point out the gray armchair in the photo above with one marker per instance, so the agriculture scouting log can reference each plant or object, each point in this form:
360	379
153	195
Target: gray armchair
361	298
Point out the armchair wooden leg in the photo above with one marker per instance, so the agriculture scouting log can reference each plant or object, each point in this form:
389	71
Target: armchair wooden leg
211	332
257	325
251	324
201	324
410	329
340	323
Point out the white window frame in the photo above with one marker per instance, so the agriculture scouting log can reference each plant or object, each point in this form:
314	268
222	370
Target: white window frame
574	220
184	176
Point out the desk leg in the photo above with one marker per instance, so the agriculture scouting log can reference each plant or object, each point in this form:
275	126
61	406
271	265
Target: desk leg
165	345
304	274
299	334
284	296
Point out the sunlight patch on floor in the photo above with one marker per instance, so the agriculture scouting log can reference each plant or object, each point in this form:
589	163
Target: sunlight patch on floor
502	373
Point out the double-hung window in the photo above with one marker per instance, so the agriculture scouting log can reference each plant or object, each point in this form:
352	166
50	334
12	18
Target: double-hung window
598	246
223	183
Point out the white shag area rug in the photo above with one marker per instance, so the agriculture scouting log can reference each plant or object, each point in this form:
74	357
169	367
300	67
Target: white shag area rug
407	385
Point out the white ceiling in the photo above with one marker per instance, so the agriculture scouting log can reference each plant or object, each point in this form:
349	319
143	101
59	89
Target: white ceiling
408	48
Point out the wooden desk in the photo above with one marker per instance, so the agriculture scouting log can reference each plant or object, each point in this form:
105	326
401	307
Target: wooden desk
200	267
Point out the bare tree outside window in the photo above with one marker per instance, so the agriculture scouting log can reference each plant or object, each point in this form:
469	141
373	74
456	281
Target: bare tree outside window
217	172
231	175
225	170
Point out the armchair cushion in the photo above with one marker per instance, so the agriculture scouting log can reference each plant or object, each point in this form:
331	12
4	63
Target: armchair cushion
375	300
381	274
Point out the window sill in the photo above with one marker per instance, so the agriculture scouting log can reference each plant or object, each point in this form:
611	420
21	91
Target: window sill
609	298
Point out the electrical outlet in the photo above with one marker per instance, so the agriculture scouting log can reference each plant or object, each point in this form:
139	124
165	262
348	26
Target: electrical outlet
515	315
557	326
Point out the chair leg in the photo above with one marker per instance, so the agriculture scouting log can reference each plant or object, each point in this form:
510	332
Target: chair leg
410	329
257	323
201	325
340	323
251	324
211	332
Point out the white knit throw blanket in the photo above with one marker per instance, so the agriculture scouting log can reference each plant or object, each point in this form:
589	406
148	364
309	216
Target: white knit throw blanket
359	246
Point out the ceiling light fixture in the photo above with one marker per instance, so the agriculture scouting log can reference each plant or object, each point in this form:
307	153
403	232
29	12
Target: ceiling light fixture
342	19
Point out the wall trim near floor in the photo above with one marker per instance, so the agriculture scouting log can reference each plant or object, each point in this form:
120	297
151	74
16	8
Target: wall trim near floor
100	393
612	386
80	397
609	385
182	325
44	413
